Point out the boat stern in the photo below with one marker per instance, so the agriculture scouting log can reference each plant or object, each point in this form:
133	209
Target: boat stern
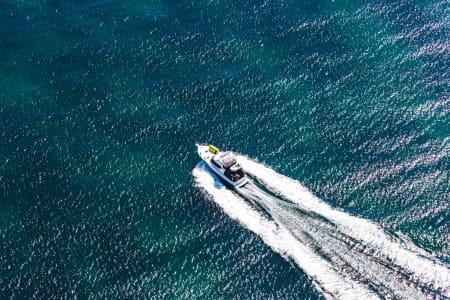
241	182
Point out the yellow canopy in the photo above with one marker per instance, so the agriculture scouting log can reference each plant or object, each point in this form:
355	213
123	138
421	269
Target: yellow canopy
213	149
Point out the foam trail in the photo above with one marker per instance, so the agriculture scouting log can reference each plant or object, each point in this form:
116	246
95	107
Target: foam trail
280	240
396	252
350	257
347	257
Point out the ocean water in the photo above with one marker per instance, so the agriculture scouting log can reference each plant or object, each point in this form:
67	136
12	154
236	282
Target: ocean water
340	111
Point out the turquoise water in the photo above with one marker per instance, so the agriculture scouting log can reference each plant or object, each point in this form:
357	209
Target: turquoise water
101	104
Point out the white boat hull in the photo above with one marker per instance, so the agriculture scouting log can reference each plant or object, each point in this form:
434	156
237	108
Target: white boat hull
207	156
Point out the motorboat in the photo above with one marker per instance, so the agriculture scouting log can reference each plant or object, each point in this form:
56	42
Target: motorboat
224	164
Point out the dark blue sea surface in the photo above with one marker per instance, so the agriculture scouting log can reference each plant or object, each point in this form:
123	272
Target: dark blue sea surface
101	103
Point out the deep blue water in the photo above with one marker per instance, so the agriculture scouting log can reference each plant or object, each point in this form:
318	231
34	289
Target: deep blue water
101	103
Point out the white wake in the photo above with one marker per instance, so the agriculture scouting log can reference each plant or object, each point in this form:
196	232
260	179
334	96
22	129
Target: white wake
346	257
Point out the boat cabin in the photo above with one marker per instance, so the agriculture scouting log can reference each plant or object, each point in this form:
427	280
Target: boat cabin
227	162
